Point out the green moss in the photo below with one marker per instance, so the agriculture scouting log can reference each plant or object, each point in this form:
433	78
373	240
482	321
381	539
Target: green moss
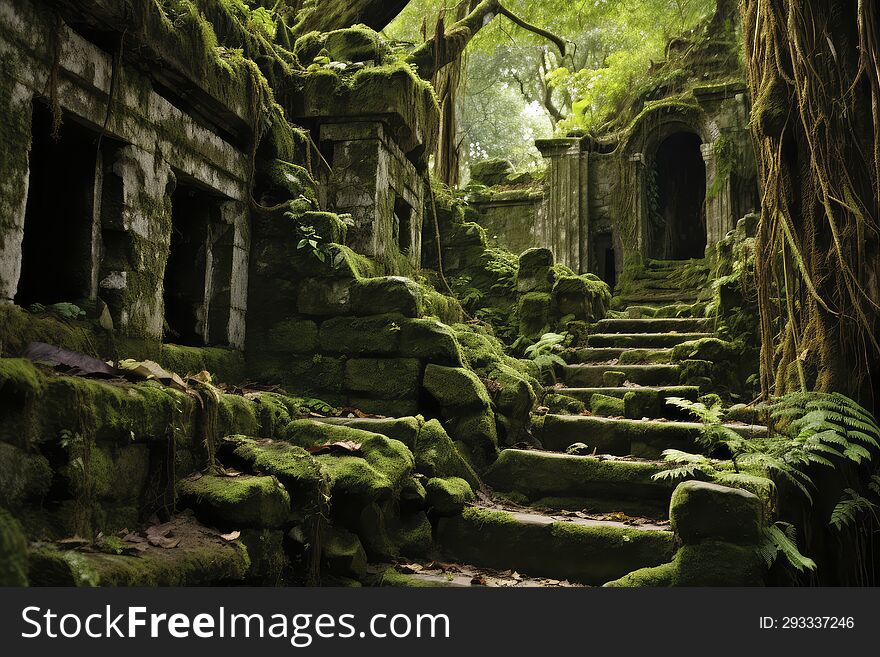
437	456
653	577
380	473
225	365
24	476
394	379
343	554
358	336
299	472
430	340
414	535
534	314
237	415
236	502
564	405
607	406
203	564
448	497
455	388
13	552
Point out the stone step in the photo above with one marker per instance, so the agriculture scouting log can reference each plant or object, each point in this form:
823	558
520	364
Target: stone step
656	325
623	437
668	297
643	340
586	394
671	265
200	557
581	550
623	355
648	311
554	480
434	574
596	376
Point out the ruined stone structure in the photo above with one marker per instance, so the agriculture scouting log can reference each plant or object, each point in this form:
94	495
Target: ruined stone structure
677	183
222	306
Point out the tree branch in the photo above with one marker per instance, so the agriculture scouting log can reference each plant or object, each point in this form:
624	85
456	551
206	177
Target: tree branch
436	53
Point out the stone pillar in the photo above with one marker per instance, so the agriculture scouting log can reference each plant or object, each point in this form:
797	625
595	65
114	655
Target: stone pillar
639	209
565	229
237	215
719	215
15	136
134	287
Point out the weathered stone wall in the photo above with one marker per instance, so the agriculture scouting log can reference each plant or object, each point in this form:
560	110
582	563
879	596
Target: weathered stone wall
512	219
148	144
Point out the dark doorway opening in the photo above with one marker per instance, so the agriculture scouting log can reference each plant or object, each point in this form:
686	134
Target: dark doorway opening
606	265
57	258
184	289
678	222
403	225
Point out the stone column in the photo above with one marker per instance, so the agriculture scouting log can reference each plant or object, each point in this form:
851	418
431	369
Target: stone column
565	231
236	214
144	217
15	137
719	219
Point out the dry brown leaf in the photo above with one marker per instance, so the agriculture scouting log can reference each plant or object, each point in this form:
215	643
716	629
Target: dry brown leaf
231	536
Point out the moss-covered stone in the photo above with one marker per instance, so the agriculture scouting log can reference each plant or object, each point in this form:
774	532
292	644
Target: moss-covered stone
539	546
414	535
394	379
13	552
430	340
700	510
455	388
379	296
448	497
225	365
237	415
269	563
437	455
359	336
236	502
558	404
607	406
535	271
534	312
379	474
491	172
25	477
413	496
343	554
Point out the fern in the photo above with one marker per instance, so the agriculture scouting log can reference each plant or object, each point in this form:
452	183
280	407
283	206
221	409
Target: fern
545	352
781	537
851	507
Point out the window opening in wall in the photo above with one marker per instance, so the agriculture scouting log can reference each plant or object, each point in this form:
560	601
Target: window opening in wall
57	258
199	269
678	222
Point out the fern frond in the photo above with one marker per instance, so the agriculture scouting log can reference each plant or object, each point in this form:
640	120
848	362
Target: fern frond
781	537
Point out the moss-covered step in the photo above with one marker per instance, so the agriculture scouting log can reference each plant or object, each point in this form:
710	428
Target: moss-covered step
645	297
596	376
643	340
656	325
232	503
622	437
201	558
670	310
583	482
586	551
625	356
586	394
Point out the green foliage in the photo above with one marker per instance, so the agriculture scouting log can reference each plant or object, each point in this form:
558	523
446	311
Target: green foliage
545	353
781	537
319	248
852	507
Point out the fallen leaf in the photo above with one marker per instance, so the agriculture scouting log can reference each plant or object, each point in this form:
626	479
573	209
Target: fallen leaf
163	542
148	369
231	536
71	362
134	538
478	580
410	568
342	447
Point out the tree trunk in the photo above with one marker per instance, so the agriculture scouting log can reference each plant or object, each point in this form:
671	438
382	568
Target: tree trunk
330	15
814	75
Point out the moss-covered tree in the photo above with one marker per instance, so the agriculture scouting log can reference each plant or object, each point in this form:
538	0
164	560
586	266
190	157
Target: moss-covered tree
814	74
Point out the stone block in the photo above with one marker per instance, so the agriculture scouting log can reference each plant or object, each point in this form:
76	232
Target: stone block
448	497
379	296
383	378
700	510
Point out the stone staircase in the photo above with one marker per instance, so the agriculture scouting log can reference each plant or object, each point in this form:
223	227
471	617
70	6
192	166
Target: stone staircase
593	512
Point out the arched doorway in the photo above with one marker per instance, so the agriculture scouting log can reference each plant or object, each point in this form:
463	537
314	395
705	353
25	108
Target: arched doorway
678	217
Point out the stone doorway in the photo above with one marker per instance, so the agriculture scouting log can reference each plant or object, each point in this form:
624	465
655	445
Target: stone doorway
57	248
678	217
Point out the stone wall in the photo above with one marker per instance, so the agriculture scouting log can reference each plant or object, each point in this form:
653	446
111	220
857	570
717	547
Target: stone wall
512	219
